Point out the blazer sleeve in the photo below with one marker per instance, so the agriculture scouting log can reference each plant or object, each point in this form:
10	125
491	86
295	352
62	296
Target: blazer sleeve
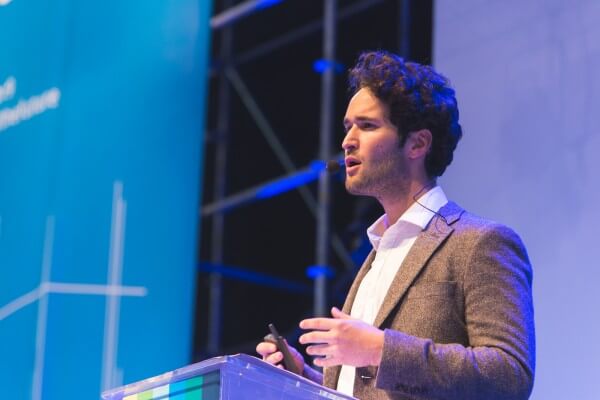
499	361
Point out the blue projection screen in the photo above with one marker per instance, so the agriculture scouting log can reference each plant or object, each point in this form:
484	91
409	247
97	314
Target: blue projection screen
101	135
526	76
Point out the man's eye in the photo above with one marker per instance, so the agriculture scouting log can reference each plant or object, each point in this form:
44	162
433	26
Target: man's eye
368	126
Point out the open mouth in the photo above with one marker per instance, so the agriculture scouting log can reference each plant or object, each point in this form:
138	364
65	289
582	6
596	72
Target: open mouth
351	162
352	165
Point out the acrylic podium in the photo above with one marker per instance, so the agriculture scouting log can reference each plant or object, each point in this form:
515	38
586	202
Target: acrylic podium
237	377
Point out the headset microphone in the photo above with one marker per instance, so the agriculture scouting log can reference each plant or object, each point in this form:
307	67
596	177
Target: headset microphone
334	166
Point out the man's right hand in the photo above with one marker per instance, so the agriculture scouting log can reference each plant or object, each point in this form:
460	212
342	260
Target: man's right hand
270	354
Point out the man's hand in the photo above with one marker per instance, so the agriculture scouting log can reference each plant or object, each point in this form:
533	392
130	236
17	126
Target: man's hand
270	354
342	340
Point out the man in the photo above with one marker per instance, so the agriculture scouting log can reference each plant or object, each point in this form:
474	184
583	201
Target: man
442	307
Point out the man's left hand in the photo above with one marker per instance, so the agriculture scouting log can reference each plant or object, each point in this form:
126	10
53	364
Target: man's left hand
342	340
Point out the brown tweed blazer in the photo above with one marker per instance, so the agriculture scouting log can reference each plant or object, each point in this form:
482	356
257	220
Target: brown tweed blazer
458	317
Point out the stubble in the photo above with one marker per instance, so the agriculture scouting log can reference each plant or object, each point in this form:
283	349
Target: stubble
386	176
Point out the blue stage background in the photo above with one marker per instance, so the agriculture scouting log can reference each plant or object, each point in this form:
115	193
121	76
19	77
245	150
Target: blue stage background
101	135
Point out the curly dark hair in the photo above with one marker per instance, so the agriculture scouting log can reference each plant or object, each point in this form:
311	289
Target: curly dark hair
417	98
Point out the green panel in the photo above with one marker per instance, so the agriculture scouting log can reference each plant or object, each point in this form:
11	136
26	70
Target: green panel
145	396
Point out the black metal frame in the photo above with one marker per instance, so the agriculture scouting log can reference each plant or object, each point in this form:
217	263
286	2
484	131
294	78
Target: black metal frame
228	79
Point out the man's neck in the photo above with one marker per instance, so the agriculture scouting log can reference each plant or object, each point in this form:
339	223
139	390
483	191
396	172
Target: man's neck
397	205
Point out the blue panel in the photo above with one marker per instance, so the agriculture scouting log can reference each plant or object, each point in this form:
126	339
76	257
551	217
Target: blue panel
101	134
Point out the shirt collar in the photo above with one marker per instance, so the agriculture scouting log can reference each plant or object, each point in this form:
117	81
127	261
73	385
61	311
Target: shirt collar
418	215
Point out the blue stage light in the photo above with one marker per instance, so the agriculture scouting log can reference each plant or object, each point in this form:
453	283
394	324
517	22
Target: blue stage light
321	65
315	271
292	182
267	3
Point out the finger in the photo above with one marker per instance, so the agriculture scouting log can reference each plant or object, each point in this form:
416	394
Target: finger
323	324
315	337
338	314
274	358
326	362
318	350
266	348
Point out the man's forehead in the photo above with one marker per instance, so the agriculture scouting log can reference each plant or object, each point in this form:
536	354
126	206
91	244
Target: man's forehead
365	105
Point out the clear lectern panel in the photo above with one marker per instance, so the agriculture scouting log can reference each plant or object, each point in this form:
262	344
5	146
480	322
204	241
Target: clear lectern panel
237	377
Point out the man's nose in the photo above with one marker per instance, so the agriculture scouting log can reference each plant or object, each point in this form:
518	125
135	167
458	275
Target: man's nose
350	142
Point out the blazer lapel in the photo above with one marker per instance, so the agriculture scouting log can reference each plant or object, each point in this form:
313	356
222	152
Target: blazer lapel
430	239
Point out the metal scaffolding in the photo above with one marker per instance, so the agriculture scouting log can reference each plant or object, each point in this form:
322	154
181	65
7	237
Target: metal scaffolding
229	79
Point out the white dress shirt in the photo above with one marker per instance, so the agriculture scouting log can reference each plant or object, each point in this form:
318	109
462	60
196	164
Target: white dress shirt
392	244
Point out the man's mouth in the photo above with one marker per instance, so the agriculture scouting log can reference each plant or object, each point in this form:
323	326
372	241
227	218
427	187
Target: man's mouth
352	164
351	161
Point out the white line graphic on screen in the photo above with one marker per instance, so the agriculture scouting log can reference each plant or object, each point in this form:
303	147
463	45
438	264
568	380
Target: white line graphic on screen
113	290
110	375
42	318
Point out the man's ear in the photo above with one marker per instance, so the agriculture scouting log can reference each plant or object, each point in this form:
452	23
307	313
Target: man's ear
418	143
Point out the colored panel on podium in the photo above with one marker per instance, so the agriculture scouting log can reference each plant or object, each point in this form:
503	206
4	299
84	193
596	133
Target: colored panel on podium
204	387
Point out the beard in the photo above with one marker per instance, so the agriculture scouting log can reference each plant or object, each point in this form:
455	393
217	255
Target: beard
387	174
